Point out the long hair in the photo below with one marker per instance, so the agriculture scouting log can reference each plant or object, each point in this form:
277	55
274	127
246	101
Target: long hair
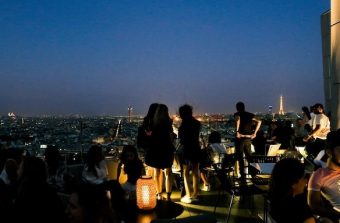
33	168
285	173
52	159
94	157
148	119
126	149
95	203
161	116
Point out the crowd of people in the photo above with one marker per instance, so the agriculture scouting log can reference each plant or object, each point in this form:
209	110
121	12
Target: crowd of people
30	186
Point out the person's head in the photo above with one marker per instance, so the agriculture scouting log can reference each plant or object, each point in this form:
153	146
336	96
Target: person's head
214	137
161	115
333	147
33	168
128	154
240	106
94	156
148	119
11	168
318	108
90	204
288	178
52	158
288	124
273	124
152	110
185	111
299	122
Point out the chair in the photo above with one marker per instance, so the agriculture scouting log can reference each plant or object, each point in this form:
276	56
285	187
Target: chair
261	165
229	184
273	149
203	218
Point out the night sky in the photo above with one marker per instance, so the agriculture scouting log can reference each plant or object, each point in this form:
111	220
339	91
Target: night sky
100	57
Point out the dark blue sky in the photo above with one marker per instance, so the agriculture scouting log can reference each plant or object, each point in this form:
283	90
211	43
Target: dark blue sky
99	57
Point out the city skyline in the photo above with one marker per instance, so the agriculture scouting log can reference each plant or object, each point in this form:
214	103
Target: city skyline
99	58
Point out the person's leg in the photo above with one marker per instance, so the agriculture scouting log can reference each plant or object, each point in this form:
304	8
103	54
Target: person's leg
168	182
239	156
247	150
159	181
204	177
186	170
195	179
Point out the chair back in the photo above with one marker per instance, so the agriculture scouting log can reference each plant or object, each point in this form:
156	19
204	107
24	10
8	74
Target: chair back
273	150
262	164
225	171
202	218
264	159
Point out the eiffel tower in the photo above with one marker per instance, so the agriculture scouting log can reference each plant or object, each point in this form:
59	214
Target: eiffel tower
281	112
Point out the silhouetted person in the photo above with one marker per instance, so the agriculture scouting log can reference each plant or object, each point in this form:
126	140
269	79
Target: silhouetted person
8	189
188	134
160	150
288	202
316	139
323	187
90	203
36	200
133	167
244	134
95	169
259	143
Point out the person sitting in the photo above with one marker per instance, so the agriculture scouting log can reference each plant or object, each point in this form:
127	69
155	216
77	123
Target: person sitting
95	170
133	167
259	142
8	187
90	203
288	202
323	187
57	176
36	200
316	139
300	132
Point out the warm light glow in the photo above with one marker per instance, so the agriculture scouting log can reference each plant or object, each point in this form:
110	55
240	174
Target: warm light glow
146	193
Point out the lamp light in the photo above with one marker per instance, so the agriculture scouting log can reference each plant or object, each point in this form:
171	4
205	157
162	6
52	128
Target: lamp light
146	193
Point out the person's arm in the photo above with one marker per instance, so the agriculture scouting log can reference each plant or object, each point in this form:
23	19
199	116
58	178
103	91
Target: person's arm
237	126
318	207
315	131
119	169
258	124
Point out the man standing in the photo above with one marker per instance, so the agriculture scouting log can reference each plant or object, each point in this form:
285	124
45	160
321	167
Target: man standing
244	134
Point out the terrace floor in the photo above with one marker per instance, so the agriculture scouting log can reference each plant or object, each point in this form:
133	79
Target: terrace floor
244	210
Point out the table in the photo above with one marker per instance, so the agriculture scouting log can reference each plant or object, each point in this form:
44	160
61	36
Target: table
163	210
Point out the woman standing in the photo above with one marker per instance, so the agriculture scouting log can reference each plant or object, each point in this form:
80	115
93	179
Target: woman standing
160	151
188	134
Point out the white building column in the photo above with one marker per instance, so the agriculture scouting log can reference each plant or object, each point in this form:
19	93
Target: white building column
335	63
326	61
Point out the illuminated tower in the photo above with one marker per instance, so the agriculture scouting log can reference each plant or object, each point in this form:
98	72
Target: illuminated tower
129	113
281	111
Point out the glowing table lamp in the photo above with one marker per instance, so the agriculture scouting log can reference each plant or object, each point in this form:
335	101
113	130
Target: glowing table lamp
146	193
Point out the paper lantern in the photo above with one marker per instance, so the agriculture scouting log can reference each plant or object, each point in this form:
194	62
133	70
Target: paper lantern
146	193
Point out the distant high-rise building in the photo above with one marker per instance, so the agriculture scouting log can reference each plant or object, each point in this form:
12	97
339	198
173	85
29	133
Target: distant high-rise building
270	109
281	111
129	113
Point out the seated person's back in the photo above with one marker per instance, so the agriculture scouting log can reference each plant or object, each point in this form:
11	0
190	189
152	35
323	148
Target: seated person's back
324	182
288	202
